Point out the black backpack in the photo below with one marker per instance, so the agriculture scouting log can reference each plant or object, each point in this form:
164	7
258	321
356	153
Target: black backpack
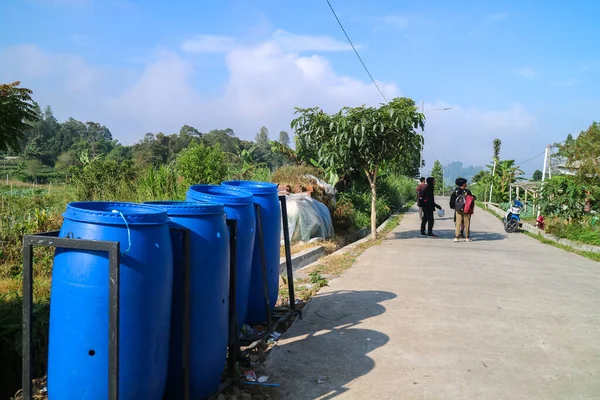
459	203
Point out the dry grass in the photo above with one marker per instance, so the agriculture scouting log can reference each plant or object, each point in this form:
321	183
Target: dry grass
294	175
330	245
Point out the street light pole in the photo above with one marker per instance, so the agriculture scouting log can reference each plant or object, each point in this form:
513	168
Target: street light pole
423	134
422	144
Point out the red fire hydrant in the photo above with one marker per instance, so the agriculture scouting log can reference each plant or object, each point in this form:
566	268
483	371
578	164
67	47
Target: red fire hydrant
539	222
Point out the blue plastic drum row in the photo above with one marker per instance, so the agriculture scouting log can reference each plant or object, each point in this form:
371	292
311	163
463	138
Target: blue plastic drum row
151	290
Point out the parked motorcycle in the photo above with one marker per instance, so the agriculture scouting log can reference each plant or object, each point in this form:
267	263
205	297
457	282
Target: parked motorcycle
512	219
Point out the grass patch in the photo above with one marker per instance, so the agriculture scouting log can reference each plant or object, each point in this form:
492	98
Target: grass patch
587	254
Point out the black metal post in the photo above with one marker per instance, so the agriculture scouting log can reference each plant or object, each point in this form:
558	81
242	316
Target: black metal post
234	347
114	288
288	252
27	317
187	314
263	259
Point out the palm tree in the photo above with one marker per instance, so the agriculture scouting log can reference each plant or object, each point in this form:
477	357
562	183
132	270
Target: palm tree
496	144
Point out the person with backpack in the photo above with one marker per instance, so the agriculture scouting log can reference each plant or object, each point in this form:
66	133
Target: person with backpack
422	185
458	182
463	203
427	202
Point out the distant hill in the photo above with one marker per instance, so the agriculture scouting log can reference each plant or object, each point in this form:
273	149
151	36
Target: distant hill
456	169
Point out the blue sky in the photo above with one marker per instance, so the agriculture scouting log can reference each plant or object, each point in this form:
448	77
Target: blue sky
525	71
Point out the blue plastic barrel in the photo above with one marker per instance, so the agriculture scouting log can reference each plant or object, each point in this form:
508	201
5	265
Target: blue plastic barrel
78	344
209	286
265	195
239	206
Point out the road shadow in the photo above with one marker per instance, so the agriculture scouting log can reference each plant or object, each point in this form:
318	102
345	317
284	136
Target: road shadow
340	309
447	234
327	344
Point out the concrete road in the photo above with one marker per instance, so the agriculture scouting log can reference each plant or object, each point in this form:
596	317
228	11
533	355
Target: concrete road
503	317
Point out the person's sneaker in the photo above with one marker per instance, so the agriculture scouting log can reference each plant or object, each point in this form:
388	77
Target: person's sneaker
468	240
431	234
456	239
423	233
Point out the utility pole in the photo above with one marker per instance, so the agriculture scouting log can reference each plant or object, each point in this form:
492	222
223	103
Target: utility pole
544	175
423	134
492	186
422	144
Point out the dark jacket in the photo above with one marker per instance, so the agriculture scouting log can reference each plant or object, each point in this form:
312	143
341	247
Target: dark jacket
429	195
459	192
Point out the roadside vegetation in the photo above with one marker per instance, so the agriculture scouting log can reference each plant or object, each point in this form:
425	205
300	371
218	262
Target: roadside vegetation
46	164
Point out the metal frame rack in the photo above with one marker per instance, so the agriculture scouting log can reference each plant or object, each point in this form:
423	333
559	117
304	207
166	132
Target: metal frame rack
51	239
285	313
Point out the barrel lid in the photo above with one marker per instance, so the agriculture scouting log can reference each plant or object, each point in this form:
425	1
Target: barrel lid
114	213
219	194
253	186
189	208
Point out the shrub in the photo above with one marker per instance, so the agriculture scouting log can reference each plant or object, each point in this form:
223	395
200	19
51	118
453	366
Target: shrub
356	208
562	197
578	231
399	190
105	180
160	183
202	164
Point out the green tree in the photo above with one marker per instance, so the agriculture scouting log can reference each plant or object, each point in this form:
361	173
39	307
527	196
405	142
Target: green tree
360	138
583	154
284	138
152	150
99	138
226	139
497	144
262	137
70	132
34	168
202	164
65	161
16	115
437	172
120	153
187	130
537	176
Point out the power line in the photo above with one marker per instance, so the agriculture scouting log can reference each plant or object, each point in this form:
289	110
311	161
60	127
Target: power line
356	52
532	158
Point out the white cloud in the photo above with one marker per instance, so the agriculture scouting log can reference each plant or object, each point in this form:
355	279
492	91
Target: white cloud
208	44
526	72
264	82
